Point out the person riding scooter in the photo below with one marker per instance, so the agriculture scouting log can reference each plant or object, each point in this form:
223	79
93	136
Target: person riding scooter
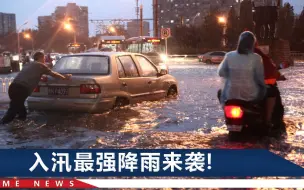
244	90
243	72
274	107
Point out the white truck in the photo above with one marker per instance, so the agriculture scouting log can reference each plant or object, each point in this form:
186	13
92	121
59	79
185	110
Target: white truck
5	63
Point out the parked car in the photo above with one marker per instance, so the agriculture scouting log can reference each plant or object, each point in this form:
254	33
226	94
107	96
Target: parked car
215	57
102	81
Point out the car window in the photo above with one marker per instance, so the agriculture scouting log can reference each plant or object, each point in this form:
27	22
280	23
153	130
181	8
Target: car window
83	65
222	53
121	72
147	68
129	66
218	54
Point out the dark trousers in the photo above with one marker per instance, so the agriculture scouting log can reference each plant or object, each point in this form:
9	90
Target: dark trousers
18	94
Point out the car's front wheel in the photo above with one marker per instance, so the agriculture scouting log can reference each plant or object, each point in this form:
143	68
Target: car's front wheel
208	62
172	92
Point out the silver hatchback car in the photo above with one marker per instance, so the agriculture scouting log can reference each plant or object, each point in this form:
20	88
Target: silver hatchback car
102	81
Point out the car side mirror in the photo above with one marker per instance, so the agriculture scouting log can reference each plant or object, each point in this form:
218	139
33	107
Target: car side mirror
162	72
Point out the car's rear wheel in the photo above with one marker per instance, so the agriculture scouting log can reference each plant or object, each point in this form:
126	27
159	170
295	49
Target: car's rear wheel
208	62
121	102
172	92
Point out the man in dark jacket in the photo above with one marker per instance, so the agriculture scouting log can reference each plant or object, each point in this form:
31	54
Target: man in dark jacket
272	75
24	84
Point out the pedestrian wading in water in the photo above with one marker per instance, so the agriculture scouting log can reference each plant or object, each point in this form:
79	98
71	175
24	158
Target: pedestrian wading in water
24	84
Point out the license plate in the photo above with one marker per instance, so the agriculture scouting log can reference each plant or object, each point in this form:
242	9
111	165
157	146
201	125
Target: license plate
58	91
235	128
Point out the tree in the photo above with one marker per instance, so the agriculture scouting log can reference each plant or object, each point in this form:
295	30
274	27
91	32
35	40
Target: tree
212	31
232	32
246	16
9	42
116	30
298	33
186	36
285	22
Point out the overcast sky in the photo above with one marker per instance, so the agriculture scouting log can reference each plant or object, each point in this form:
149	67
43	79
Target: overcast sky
98	9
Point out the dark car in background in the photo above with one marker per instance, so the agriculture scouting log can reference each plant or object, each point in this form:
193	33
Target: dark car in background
215	57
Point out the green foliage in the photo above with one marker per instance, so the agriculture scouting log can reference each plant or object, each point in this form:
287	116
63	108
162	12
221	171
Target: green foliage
212	31
232	32
246	16
285	22
298	33
119	31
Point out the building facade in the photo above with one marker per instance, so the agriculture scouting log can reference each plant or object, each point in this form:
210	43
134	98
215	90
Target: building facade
78	15
171	13
7	23
44	20
133	28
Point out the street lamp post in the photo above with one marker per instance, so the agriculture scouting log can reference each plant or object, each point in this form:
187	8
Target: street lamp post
29	37
113	30
18	39
69	27
223	21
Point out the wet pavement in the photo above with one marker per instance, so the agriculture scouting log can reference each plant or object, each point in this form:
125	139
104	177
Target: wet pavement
194	120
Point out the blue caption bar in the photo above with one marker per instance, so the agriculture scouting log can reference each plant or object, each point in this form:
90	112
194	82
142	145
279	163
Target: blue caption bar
145	163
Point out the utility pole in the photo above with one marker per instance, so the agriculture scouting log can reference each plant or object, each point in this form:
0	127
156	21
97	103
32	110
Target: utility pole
155	17
137	15
280	3
141	21
182	21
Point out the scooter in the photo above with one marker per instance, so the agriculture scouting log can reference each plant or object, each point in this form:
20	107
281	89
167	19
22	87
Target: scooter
245	119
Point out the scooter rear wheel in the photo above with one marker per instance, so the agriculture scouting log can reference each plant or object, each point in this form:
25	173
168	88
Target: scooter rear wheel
234	136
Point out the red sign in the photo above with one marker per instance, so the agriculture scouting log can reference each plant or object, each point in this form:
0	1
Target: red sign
165	32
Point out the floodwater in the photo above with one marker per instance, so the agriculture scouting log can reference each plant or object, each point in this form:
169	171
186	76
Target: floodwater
194	120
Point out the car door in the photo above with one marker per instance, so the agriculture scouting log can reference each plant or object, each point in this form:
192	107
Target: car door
216	57
149	74
131	80
222	54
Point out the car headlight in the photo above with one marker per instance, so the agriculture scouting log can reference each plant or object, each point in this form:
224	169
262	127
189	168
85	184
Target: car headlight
164	57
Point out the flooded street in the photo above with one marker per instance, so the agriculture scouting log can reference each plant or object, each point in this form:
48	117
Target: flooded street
194	120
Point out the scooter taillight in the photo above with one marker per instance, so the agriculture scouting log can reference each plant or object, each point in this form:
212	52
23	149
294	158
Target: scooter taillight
233	112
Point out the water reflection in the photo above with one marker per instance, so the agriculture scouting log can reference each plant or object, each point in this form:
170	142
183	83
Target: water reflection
194	120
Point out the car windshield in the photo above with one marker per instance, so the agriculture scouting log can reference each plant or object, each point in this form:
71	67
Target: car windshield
98	65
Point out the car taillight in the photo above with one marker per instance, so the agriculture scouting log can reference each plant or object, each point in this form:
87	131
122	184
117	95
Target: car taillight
37	89
90	89
44	79
233	112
